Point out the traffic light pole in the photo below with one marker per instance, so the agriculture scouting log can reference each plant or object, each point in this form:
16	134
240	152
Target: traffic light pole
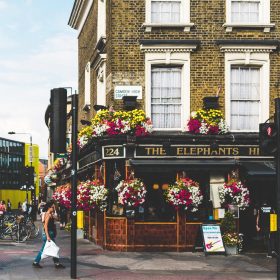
74	188
277	159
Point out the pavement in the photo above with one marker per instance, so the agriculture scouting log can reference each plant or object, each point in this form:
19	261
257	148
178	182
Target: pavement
95	263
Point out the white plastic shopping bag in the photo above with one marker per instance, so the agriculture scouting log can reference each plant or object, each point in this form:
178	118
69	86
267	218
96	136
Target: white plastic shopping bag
50	250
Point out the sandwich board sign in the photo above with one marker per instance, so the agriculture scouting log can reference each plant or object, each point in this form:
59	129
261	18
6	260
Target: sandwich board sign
212	238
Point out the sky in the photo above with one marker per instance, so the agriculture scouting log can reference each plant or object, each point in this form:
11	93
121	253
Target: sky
38	52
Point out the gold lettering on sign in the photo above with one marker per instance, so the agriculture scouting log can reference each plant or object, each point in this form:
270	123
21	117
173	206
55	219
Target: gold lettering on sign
149	151
179	152
254	151
155	151
235	151
214	153
199	151
193	151
207	151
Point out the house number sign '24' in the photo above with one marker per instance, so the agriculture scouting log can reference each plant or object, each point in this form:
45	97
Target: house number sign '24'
113	151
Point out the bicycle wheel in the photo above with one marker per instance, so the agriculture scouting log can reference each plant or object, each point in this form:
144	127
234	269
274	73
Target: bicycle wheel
34	231
20	234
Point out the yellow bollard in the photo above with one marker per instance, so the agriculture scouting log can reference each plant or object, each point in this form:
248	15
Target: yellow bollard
216	214
273	222
80	219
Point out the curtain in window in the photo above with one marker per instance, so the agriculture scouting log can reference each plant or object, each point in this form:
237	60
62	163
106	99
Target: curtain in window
245	11
165	11
245	98
166	97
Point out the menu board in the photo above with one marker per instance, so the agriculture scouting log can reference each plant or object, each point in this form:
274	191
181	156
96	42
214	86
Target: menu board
212	239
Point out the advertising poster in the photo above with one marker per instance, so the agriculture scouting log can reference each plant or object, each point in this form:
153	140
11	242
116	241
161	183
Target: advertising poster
212	237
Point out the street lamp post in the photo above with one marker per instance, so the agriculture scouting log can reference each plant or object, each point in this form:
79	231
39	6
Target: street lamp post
30	154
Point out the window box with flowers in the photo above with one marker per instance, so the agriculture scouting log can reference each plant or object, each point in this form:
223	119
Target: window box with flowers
209	121
185	194
111	123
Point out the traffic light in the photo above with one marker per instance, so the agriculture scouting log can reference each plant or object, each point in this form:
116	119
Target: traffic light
268	139
58	116
28	176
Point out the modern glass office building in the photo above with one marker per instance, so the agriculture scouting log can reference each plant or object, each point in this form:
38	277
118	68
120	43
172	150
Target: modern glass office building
11	163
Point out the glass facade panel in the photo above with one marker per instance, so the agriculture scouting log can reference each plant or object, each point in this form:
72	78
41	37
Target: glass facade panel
11	163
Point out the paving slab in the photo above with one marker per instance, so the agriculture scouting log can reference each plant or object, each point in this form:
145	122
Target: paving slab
95	263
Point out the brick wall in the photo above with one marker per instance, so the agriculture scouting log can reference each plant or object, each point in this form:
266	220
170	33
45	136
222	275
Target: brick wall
125	61
207	63
86	43
116	234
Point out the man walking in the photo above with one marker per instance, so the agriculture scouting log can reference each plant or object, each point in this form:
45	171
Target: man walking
263	226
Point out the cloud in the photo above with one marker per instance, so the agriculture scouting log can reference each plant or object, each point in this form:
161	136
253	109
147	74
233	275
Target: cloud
35	28
3	5
28	2
25	83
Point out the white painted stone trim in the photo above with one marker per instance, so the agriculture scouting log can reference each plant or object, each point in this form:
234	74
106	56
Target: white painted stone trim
264	21
168	48
80	14
184	16
247	48
186	26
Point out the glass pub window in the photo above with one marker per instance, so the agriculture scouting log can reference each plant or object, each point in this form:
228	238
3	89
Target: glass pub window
165	11
166	97
245	98
245	11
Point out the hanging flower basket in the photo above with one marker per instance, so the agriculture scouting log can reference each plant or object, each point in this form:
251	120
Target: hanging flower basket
235	193
131	193
62	195
59	163
207	122
185	193
91	194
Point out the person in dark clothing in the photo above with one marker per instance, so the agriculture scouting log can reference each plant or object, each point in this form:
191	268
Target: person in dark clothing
63	216
49	234
9	206
263	226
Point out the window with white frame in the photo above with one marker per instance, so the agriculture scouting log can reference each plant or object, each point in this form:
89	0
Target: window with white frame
101	85
254	13
247	78
245	98
167	86
166	105
165	11
101	19
168	13
245	11
87	84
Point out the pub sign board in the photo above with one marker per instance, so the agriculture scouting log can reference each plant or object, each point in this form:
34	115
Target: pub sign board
212	238
197	151
89	159
113	152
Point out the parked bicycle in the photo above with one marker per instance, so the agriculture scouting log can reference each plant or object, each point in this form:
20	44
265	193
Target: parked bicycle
18	228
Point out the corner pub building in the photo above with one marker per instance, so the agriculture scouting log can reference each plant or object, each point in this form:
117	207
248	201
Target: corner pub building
173	55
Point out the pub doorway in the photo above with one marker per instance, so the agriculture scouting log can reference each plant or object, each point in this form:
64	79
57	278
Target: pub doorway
261	189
